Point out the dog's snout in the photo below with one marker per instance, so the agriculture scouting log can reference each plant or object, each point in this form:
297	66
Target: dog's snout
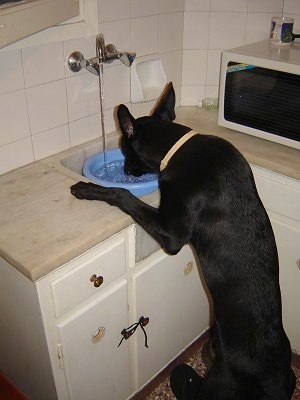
132	170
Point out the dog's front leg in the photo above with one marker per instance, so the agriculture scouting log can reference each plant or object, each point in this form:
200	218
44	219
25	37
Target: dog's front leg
148	217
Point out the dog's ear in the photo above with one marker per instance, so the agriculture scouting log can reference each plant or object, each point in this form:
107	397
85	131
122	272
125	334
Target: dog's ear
165	106
126	121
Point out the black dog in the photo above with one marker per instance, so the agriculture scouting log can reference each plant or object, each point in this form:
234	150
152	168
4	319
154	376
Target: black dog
209	200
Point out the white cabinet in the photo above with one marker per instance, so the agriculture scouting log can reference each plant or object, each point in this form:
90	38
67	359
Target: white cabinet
18	20
288	243
169	292
84	323
95	367
281	197
85	306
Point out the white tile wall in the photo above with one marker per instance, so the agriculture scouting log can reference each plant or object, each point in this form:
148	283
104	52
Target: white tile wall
112	10
51	141
169	6
292	7
170	32
45	108
274	6
196	5
14	117
144	35
196	30
116	32
12	77
82	95
257	26
37	74
226	28
229	5
143	8
194	67
86	128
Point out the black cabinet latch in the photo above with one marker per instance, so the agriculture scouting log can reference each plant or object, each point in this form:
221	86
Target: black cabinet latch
127	332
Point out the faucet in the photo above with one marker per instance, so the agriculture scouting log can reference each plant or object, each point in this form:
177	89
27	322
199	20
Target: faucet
104	54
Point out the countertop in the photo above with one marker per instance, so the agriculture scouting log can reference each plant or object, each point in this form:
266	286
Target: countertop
43	226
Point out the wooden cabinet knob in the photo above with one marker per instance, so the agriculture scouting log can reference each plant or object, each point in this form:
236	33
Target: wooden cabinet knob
98	280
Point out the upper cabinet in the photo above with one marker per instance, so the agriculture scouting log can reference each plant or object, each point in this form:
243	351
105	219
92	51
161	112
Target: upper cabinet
21	19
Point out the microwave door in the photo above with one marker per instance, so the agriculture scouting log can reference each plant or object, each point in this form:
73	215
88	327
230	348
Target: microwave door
263	99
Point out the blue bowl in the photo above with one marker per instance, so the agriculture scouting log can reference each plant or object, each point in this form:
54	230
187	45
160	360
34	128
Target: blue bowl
111	174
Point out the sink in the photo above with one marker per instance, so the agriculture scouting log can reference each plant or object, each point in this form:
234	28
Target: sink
83	162
70	162
75	160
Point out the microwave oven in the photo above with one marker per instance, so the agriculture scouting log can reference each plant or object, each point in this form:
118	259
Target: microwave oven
260	91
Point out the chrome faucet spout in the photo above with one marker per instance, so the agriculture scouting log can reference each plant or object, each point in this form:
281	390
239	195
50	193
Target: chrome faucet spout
100	48
108	53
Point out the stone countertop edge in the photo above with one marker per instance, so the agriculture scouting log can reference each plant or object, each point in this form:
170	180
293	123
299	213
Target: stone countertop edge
43	226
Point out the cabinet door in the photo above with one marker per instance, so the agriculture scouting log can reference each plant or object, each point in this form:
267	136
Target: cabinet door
95	367
288	245
18	20
169	291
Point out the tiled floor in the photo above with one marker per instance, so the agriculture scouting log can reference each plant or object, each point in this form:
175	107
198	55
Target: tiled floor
159	388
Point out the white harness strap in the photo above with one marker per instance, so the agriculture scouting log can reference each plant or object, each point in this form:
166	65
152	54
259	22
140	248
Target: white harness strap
175	147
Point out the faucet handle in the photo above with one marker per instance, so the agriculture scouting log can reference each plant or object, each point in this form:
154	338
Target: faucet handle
110	53
74	61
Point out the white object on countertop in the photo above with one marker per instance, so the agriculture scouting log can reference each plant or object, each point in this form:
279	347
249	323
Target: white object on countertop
148	78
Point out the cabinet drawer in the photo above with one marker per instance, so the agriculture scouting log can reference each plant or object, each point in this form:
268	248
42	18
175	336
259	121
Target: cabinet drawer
107	260
278	193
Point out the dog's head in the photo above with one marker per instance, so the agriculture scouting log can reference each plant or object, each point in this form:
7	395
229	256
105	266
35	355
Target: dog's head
141	137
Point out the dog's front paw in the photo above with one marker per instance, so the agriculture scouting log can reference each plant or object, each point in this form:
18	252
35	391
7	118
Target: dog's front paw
84	190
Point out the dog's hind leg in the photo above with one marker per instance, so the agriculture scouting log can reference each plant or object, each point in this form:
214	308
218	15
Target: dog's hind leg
170	233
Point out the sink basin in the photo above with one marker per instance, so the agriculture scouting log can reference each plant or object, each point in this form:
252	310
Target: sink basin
74	161
107	169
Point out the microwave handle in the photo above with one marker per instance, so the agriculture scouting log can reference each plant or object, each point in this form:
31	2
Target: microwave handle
295	36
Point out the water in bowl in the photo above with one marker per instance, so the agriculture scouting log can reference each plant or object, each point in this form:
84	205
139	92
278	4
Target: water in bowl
113	171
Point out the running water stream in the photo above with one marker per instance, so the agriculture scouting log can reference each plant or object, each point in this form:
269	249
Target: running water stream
101	101
112	170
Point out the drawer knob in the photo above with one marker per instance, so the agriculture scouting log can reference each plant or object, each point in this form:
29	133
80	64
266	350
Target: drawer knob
98	280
